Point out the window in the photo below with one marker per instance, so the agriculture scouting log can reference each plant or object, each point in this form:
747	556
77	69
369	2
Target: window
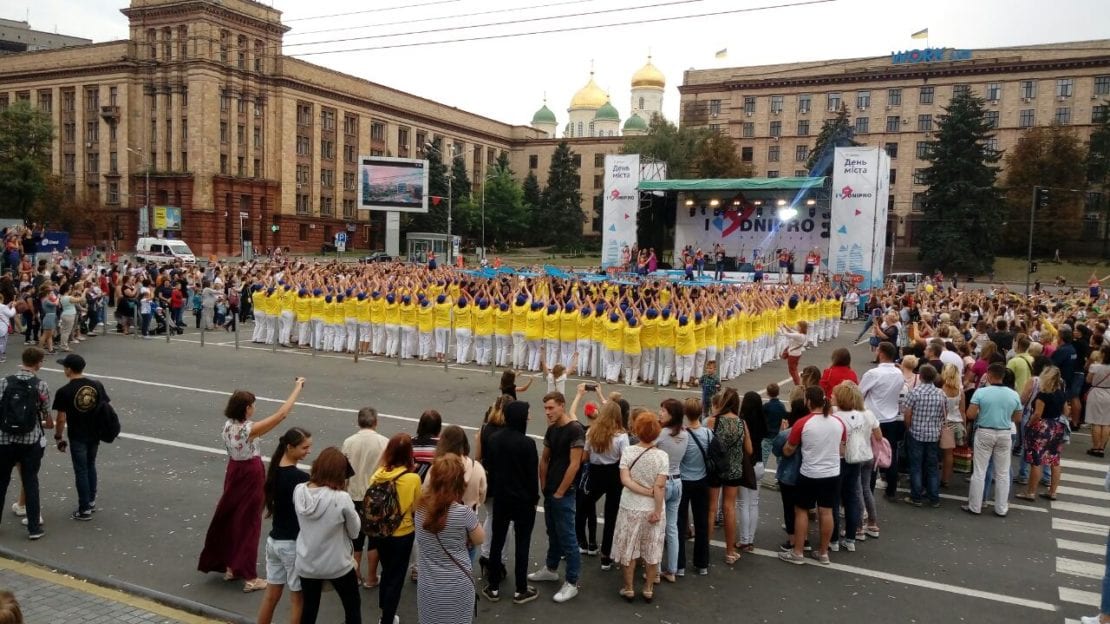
833	101
580	127
167	43
223	132
746	154
225	100
776	104
302	174
327	149
1099	112
241	167
1063	115
350	154
918	176
533	161
350	125
377	131
241	51
1029	89
223	164
922	151
924	123
994	91
891	150
803	127
772	173
1026	118
302	229
184	160
92	132
403	138
1064	87
991	118
598	181
1102	85
259	53
749	104
257	136
925	95
776	128
599	160
863	125
304	114
113	162
182	41
863	100
152	42
801	153
773	153
714	107
326	209
225	45
918	202
46	102
69	132
961	89
805	103
800	173
327	119
92	99
349	181
747	130
113	192
893	176
241	134
69	163
92	162
327	178
893	97
69	101
304	146
348	209
893	123
991	146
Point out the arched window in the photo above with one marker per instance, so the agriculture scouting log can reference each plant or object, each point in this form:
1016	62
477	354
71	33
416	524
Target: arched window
592	129
259	54
579	133
242	51
641	103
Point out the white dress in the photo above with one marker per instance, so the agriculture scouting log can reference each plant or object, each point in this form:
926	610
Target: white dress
634	536
1098	399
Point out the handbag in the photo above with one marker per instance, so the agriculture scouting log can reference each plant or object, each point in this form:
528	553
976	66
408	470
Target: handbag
881	449
747	478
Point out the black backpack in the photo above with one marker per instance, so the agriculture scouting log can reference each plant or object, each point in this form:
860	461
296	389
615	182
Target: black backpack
714	455
105	418
20	405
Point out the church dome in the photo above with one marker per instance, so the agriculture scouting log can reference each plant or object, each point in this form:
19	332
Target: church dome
607	112
635	122
590	96
648	76
544	116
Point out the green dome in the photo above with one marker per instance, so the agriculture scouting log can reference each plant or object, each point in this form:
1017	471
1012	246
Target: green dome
607	113
544	116
635	122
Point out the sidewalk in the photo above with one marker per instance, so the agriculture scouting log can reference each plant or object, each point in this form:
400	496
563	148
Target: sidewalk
48	596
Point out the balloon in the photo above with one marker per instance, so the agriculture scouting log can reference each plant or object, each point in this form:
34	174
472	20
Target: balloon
929	288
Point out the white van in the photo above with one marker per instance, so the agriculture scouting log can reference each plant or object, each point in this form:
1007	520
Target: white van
906	282
163	249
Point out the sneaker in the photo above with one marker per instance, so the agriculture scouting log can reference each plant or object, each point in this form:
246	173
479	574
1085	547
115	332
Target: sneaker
528	595
19	510
861	536
910	501
848	545
565	593
34	535
791	557
703	571
935	504
606	563
872	532
83	516
544	574
680	573
92	506
786	546
24	520
822	559
491	594
834	546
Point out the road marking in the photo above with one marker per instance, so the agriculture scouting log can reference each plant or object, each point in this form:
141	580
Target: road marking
1077	526
1085	465
1072	478
1085	493
1086	598
957	497
1083	547
1090	510
1076	567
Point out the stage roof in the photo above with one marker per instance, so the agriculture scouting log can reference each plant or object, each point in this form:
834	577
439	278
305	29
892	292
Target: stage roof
737	184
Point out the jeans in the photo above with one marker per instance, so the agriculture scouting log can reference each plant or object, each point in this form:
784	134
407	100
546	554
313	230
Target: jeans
672	496
849	498
893	431
990	445
523	515
605	480
1105	603
345	586
695	499
83	454
923	463
146	323
867	501
29	458
393	552
559	519
788	495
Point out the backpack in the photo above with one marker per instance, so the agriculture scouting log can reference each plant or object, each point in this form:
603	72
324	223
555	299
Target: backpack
233	298
381	508
19	405
716	460
105	418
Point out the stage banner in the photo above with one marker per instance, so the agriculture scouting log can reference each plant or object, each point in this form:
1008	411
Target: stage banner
747	230
860	188
619	207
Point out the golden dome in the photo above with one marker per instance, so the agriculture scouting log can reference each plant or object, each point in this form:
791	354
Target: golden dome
648	76
589	97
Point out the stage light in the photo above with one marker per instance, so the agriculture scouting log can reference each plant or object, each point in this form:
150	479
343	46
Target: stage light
758	202
689	202
713	203
780	203
736	202
787	213
811	202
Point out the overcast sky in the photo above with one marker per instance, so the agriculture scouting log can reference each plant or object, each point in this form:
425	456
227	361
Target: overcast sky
506	78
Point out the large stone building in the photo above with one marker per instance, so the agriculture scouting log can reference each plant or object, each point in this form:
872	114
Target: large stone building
19	37
774	112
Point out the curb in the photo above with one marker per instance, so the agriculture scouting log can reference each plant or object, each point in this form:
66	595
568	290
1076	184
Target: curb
176	602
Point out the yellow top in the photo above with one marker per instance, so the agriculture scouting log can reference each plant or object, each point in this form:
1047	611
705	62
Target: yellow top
614	334
350	307
288	299
408	488
711	330
550	326
303	308
649	336
585	326
329	312
533	329
425	318
318	308
362	312
665	337
442	315
699	334
392	313
568	326
483	321
632	339
408	314
502	322
684	339
520	317
464	317
590	96
649	76
377	310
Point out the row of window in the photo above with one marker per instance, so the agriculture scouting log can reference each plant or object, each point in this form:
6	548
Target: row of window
68	99
327	209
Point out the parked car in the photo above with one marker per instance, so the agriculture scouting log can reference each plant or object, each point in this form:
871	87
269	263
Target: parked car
378	256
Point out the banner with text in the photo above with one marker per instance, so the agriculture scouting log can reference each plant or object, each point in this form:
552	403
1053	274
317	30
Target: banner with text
619	206
748	230
860	191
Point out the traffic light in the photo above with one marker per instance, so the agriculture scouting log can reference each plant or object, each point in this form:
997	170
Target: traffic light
1041	195
1032	267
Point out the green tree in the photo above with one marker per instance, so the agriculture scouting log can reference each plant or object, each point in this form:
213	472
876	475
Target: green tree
503	163
505	208
559	219
533	193
1044	156
963	207
835	132
666	142
716	157
435	220
26	135
460	180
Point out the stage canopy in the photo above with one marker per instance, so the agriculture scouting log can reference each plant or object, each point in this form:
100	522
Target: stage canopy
734	184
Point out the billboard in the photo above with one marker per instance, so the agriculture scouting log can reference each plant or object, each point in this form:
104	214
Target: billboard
167	218
746	230
860	191
619	206
392	184
53	241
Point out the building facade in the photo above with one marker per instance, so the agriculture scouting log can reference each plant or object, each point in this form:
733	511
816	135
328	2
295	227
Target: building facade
20	37
775	112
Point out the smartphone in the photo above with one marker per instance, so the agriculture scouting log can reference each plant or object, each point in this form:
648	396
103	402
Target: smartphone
591	387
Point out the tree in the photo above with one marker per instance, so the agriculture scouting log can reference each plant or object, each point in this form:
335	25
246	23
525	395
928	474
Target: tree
559	219
835	132
460	180
716	157
435	220
666	142
503	163
505	208
963	207
1044	156
533	194
26	135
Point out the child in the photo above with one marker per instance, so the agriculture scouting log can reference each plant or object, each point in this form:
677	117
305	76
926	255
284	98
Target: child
710	385
557	379
774	414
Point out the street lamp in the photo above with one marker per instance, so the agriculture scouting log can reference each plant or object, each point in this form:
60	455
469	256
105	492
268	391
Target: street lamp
146	208
450	201
489	176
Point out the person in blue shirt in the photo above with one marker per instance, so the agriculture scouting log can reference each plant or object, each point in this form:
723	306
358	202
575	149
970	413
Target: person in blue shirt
995	408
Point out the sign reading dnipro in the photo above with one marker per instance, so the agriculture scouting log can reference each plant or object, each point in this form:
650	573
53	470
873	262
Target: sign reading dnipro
929	55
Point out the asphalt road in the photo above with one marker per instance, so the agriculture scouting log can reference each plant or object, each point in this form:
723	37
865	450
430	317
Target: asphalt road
160	482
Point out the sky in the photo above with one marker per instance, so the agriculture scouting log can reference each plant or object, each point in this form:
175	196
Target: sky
507	78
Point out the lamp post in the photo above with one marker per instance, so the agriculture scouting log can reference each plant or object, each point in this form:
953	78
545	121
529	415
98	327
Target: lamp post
450	202
146	207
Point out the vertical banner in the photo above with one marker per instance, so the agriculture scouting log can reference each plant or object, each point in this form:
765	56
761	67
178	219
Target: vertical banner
857	240
619	207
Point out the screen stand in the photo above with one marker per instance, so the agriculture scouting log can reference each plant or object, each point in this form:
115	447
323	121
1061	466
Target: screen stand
393	233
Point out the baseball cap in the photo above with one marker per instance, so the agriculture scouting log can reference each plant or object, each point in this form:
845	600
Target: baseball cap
74	362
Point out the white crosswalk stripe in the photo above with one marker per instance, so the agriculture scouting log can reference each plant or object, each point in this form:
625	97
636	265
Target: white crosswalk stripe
1079	478
1082	493
1078	521
1065	565
1083	547
1091	510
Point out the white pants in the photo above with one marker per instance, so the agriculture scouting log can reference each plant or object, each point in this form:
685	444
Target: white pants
566	352
425	345
631	367
647	364
364	335
463	337
287	319
408	341
377	346
483	349
749	508
728	362
613	361
441	334
519	351
534	354
711	356
271	329
551	352
990	443
684	368
352	333
584	352
304	330
666	364
258	333
699	362
597	359
329	337
392	340
317	334
339	343
502	349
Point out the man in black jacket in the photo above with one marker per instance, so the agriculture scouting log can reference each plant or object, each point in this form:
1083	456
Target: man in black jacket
512	456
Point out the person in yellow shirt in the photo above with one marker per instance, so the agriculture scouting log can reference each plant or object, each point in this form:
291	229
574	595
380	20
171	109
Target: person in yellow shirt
365	331
377	322
711	334
259	312
551	322
533	334
568	334
584	343
317	318
614	346
649	343
727	332
699	342
685	350
425	325
441	323
746	324
598	357
395	550
632	346
520	326
303	309
483	332
502	335
408	327
392	320
329	322
339	324
666	341
464	329
286	301
351	305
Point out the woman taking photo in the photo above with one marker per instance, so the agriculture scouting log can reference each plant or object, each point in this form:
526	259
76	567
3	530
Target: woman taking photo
695	490
231	545
397	466
734	439
282	478
445	529
673	441
639	526
328	522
